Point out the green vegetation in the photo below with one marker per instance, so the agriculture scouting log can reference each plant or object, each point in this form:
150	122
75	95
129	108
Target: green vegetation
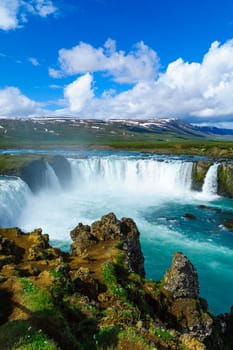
21	335
110	278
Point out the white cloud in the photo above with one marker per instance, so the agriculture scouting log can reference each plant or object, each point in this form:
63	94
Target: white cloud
34	61
139	64
14	103
45	8
8	14
14	13
79	93
192	91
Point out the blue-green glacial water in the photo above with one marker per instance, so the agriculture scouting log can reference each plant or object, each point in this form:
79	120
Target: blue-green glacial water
153	190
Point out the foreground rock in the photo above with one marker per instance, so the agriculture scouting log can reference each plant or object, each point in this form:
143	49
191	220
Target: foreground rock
97	297
110	228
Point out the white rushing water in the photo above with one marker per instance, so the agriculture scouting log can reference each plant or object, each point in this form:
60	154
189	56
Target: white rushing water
210	185
132	175
14	196
51	181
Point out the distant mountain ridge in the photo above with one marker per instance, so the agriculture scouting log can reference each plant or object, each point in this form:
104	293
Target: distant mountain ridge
171	125
88	130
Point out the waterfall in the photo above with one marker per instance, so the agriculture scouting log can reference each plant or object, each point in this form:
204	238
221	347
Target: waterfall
14	194
210	185
135	175
50	178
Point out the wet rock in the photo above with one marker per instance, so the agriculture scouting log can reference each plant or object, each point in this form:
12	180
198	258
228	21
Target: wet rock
62	169
189	216
181	280
229	224
199	172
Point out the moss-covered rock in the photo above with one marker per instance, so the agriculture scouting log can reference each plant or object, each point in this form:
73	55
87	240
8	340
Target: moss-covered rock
225	180
199	172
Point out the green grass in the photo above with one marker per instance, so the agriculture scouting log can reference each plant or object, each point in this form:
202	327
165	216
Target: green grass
21	335
110	279
36	298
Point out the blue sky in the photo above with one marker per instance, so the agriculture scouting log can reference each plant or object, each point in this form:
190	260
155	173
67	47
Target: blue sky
117	59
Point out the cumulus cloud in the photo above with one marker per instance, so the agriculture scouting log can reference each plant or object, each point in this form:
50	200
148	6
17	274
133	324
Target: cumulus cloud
13	103
139	64
8	14
194	91
14	13
190	90
79	93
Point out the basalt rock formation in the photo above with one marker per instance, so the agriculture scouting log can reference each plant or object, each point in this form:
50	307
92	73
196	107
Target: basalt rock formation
97	297
199	172
110	228
225	179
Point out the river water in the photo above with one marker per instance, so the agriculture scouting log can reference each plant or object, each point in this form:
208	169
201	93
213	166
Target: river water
153	190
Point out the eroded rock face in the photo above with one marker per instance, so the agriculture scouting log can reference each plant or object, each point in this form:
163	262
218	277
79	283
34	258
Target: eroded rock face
181	279
225	180
199	172
110	228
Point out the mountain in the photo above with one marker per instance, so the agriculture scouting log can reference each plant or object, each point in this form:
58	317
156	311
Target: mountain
63	131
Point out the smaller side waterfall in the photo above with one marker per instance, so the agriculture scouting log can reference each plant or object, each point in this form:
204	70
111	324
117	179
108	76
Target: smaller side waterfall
51	180
210	185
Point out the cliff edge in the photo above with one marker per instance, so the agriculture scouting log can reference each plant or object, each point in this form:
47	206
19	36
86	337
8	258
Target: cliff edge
97	296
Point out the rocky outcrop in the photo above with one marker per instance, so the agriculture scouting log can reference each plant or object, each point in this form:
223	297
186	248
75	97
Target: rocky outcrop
199	172
110	228
225	180
83	239
181	279
224	177
185	307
